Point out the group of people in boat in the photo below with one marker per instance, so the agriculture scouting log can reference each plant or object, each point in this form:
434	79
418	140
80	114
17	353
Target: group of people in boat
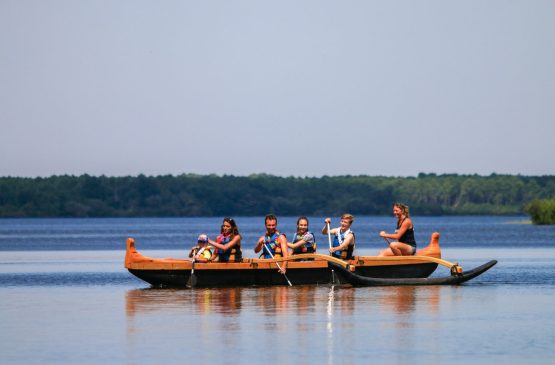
274	244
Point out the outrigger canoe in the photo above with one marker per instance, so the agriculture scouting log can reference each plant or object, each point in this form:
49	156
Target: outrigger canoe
302	269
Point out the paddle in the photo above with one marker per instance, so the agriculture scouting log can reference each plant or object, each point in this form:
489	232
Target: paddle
272	256
329	235
193	279
329	241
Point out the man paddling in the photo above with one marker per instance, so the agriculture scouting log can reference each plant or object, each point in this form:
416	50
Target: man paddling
273	243
344	239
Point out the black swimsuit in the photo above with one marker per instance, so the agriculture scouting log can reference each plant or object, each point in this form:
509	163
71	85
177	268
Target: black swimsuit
408	236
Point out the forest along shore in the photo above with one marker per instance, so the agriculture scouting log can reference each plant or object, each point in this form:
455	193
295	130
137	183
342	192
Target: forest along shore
213	195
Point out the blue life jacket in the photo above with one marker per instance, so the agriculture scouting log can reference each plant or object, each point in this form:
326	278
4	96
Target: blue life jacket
233	254
270	242
347	253
307	248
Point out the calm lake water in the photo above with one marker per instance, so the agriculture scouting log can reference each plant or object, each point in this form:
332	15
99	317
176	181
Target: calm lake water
65	298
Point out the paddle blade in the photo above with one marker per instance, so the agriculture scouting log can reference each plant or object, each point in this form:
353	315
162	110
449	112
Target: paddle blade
192	282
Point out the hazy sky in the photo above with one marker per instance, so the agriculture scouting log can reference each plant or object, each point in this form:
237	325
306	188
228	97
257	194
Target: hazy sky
303	88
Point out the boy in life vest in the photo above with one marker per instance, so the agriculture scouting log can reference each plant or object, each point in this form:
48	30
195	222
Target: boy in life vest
343	238
202	252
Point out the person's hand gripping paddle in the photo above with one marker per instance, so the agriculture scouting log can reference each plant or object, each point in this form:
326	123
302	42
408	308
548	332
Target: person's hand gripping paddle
280	269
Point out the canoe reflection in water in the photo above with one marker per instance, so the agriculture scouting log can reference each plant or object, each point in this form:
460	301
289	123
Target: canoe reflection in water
280	299
203	301
269	300
239	319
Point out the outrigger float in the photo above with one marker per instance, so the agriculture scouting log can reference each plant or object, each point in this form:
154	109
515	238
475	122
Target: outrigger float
302	269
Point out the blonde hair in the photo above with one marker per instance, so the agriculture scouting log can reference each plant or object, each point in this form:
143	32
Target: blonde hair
349	217
404	208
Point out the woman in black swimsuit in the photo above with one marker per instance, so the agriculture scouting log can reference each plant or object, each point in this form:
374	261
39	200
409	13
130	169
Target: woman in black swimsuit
404	243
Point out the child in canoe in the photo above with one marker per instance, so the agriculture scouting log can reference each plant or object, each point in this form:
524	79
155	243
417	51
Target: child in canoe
202	252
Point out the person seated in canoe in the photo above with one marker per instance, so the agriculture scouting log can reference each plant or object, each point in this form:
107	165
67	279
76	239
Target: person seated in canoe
304	241
228	243
273	244
202	252
344	239
404	243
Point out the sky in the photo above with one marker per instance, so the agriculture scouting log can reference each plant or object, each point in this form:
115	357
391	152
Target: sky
288	88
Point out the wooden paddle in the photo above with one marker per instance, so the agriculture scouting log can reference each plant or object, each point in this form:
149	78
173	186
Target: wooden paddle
329	235
272	256
329	241
193	279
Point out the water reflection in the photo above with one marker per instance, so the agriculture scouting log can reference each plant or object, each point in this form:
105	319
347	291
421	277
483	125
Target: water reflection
205	301
329	324
331	318
405	300
282	300
399	299
279	300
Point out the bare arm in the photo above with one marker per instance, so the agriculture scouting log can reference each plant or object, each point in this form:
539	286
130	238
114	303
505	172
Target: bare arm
400	232
327	222
235	240
302	242
259	244
296	244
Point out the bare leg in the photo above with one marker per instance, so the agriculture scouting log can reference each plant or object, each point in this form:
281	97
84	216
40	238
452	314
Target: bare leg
401	249
386	252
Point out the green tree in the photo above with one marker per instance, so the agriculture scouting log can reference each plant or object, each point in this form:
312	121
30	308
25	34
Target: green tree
542	211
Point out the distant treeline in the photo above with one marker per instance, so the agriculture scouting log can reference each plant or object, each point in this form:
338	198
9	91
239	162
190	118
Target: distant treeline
212	195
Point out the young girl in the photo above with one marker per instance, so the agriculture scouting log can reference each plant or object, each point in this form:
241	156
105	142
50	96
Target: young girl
202	252
304	241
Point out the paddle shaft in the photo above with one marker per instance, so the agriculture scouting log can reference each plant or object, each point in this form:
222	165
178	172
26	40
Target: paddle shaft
192	280
272	256
329	241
